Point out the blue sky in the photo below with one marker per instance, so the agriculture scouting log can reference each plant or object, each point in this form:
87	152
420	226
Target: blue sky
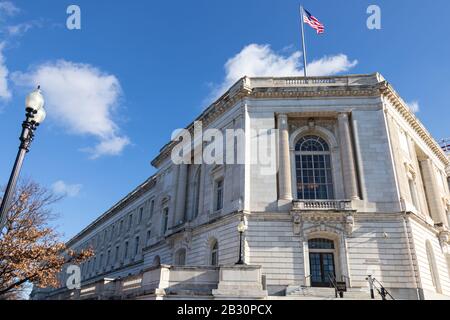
137	70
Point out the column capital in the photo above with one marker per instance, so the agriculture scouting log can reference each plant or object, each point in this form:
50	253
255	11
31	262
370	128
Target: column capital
343	115
283	121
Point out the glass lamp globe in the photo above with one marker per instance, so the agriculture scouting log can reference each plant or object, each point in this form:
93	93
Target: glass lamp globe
241	227
34	101
40	116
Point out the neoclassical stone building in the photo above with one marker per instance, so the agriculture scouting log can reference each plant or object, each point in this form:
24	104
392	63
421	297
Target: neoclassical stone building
360	188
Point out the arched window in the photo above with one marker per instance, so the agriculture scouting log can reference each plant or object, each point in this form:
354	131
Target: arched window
313	169
180	257
215	253
433	267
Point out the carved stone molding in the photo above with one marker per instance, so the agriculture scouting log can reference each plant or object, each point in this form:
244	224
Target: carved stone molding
349	224
187	238
341	220
444	239
297	220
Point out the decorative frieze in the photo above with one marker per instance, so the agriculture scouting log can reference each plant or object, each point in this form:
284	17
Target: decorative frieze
320	212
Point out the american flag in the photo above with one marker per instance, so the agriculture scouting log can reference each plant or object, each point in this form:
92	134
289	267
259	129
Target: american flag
313	22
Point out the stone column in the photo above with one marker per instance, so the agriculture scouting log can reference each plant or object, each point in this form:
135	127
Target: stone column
284	171
434	199
348	160
180	204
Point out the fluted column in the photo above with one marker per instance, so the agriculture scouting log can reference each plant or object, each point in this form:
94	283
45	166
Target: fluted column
180	206
284	171
434	198
348	160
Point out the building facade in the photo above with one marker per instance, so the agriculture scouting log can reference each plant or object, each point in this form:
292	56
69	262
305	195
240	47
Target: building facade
355	186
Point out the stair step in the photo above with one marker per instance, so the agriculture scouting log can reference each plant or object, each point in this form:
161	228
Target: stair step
329	293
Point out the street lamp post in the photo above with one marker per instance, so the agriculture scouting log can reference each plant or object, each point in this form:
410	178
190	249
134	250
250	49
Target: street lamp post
35	115
242	227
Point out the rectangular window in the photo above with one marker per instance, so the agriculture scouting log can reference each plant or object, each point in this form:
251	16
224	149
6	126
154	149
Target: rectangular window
149	235
136	246
121	226
125	254
112	232
219	195
141	212
404	143
130	220
116	258
165	221
108	258
152	208
412	190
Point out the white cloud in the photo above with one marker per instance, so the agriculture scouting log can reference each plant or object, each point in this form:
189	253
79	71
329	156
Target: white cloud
5	93
82	99
260	60
330	65
414	106
21	28
63	189
112	147
8	8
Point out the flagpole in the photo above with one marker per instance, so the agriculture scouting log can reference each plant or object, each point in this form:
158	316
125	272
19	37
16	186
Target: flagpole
302	13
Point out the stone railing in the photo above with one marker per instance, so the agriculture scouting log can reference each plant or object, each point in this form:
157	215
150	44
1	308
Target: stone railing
322	205
257	82
172	282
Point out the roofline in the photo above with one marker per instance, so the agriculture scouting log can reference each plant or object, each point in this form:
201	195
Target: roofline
242	88
129	198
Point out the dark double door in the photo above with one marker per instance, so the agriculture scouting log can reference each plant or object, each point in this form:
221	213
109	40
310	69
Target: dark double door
322	268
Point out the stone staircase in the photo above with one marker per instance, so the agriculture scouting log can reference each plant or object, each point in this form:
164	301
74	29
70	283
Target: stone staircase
308	293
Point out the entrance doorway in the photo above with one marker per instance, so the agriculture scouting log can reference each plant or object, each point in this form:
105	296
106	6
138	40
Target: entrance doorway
321	262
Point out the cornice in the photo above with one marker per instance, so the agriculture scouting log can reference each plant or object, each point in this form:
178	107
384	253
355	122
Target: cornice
230	98
323	87
401	107
341	86
127	200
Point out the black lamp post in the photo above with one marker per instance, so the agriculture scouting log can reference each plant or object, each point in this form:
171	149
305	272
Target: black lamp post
35	115
241	229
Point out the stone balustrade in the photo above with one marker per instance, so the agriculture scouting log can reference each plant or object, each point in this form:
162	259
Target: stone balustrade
322	205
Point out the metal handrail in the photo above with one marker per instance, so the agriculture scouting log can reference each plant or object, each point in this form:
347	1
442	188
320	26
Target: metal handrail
382	291
333	283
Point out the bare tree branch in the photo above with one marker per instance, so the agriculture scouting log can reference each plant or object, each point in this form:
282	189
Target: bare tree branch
30	249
